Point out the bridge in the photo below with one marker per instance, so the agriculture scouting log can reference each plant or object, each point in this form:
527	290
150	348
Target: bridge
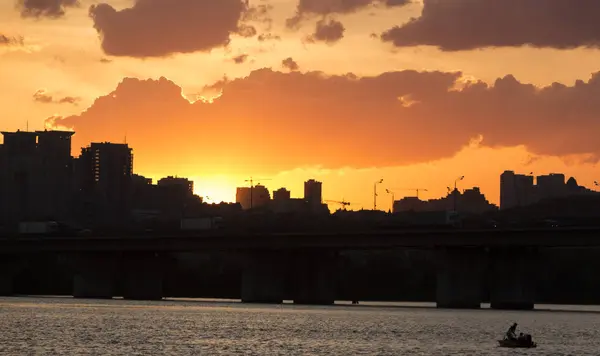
340	240
507	258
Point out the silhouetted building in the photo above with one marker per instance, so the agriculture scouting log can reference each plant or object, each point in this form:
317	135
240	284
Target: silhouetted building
470	201
291	205
104	174
184	184
242	196
164	204
145	199
551	186
474	202
313	192
35	175
408	204
519	190
281	194
516	190
140	180
175	194
260	196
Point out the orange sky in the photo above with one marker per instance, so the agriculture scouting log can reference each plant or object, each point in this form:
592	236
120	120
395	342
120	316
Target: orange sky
468	89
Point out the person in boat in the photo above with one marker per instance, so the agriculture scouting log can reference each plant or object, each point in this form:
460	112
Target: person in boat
511	334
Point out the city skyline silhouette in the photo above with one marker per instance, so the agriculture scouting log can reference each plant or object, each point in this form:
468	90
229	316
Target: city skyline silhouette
299	176
267	92
33	159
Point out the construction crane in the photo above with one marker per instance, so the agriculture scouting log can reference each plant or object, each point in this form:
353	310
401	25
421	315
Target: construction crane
251	181
343	203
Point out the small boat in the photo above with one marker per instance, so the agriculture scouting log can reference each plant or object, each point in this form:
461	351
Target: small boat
524	344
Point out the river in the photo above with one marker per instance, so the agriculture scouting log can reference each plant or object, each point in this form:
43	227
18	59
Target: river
66	326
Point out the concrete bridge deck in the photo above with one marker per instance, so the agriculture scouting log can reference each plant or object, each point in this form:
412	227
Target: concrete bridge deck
507	258
374	239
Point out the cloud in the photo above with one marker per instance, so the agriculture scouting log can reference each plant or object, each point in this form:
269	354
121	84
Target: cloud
45	8
240	58
246	31
268	36
328	31
260	13
105	60
470	24
392	3
277	121
158	28
41	96
290	64
309	8
69	100
11	41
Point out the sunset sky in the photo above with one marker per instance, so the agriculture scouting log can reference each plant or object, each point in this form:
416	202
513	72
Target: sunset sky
347	92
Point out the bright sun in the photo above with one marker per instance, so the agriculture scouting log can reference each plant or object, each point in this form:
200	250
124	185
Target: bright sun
216	188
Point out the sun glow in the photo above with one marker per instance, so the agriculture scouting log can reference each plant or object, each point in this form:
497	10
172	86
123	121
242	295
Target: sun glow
216	188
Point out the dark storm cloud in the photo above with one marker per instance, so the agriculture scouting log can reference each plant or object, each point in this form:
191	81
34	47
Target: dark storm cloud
41	96
454	25
10	41
328	31
240	58
157	28
268	36
45	8
246	31
307	8
290	64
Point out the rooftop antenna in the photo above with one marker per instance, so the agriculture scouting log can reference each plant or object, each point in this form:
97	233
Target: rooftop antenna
125	139
27	125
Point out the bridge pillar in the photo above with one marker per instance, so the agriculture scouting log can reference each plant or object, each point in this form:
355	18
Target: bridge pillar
95	275
9	268
460	278
314	276
263	277
513	278
6	284
143	275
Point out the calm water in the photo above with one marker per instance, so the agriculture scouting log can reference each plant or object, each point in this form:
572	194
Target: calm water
64	326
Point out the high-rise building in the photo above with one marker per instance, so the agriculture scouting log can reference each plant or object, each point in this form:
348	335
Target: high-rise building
516	190
35	175
57	166
551	186
252	197
104	173
313	192
242	196
20	166
519	190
